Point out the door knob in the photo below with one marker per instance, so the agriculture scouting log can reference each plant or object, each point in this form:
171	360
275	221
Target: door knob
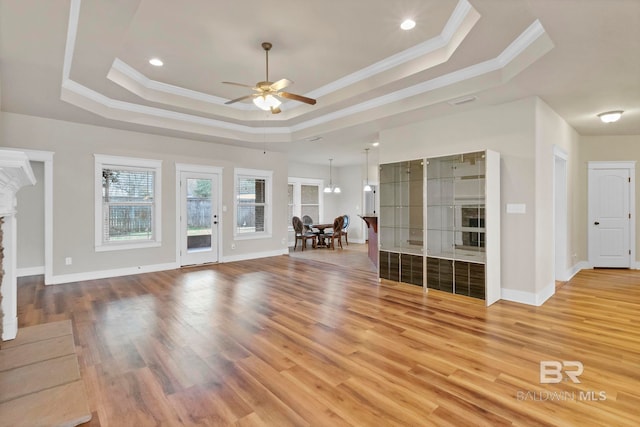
596	223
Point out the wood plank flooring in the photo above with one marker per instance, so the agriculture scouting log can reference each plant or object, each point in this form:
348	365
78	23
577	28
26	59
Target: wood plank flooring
285	341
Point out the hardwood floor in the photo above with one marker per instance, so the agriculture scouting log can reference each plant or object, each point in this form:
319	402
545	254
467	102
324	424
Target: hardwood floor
285	341
354	256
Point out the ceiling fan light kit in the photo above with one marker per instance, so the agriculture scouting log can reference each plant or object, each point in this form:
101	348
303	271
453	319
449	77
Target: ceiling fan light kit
266	102
268	92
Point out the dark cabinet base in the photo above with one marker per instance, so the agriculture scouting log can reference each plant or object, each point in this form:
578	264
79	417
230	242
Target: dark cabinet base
405	268
459	277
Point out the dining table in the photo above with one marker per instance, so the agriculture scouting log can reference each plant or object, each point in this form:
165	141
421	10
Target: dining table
321	236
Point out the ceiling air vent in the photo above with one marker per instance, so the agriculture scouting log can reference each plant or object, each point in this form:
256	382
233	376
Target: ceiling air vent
463	100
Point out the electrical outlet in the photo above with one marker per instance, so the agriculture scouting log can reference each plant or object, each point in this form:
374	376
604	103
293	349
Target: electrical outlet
68	260
233	246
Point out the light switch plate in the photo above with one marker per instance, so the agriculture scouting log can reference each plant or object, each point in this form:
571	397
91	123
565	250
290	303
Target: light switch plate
516	208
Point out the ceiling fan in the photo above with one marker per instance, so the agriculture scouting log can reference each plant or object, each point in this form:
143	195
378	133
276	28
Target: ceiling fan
267	93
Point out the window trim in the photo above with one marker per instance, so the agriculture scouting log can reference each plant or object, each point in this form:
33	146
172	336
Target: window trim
297	195
267	175
102	160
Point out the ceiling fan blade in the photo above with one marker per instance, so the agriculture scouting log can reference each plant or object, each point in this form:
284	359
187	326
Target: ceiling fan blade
275	110
240	84
242	98
280	84
297	97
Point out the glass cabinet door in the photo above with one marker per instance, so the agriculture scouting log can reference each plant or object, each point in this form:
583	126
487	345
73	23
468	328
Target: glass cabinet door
469	199
401	226
440	206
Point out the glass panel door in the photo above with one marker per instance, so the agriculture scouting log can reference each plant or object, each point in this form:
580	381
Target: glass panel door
199	218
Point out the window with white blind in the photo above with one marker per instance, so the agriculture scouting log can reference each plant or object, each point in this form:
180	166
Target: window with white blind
127	202
252	203
305	198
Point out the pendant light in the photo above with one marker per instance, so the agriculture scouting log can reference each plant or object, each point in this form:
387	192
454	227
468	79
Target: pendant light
367	187
330	188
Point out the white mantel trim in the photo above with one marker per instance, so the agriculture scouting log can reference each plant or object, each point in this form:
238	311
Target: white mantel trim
15	173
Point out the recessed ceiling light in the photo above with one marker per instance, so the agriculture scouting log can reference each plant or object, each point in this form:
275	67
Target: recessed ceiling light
408	24
610	116
156	62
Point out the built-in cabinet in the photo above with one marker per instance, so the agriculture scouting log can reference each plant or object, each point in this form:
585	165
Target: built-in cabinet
440	223
401	222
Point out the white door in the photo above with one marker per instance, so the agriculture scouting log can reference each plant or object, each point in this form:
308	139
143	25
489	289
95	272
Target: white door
199	218
609	217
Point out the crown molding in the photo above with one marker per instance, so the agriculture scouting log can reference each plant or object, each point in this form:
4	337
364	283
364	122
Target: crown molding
453	25
463	15
90	100
519	46
154	85
152	90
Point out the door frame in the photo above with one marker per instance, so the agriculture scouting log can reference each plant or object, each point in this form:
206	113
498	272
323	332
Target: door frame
631	166
46	157
194	168
561	213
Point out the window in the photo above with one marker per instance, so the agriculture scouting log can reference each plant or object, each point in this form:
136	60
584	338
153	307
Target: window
127	202
253	203
305	198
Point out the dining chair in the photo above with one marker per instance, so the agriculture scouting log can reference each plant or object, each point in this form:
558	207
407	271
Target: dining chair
336	233
308	222
301	234
345	228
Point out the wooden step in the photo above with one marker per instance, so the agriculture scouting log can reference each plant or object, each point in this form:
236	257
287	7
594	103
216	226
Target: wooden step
64	405
40	381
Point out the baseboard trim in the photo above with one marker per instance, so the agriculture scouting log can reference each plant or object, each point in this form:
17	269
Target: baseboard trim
105	274
529	298
9	328
254	255
30	271
582	265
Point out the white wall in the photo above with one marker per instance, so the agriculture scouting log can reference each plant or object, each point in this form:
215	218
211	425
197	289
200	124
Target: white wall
351	198
508	129
551	129
73	193
30	219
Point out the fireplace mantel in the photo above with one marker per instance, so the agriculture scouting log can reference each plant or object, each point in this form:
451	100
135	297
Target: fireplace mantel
15	173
